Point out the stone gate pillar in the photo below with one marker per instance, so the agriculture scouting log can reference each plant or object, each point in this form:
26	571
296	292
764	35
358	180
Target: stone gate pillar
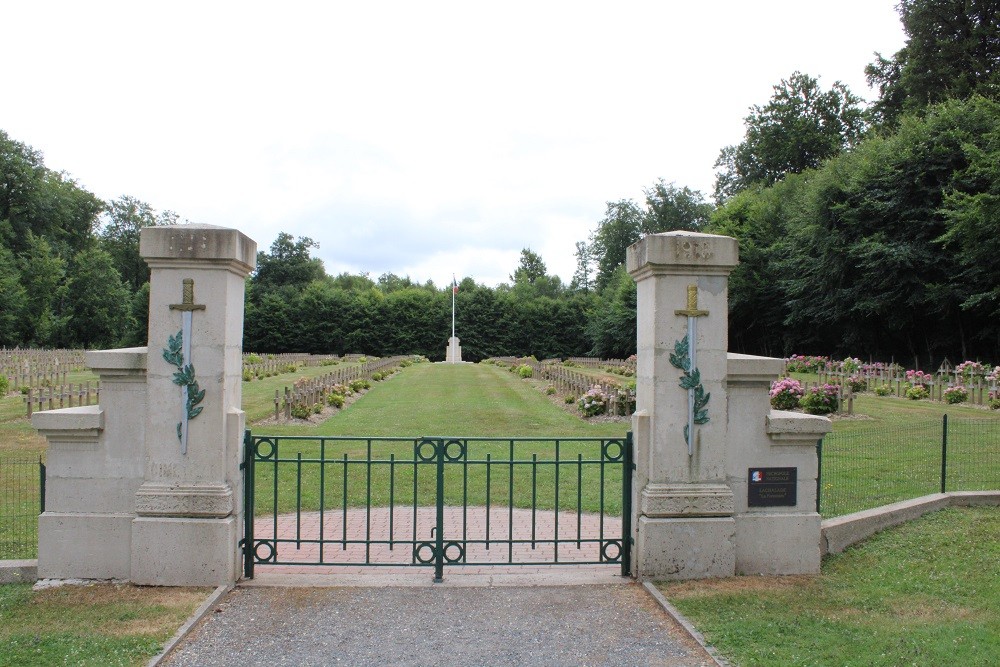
685	526
188	507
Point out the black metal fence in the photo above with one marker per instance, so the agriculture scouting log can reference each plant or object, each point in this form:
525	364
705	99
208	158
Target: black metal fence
865	468
22	499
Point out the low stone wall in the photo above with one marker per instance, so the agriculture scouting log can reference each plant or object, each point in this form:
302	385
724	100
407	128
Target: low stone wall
841	532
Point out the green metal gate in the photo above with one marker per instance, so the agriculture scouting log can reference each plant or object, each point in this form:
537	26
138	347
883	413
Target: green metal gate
436	502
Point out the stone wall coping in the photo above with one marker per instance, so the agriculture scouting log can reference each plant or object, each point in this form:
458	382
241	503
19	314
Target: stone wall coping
181	244
122	359
792	427
841	532
748	367
83	418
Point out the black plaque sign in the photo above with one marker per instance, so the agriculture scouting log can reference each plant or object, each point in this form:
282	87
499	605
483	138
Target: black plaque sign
771	487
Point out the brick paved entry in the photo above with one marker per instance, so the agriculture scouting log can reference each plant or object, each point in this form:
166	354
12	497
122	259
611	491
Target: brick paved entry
367	526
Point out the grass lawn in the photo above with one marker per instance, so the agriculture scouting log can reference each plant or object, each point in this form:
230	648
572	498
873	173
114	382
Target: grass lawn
90	625
891	450
925	594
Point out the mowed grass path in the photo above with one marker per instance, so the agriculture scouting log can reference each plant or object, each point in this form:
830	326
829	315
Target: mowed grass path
443	400
472	400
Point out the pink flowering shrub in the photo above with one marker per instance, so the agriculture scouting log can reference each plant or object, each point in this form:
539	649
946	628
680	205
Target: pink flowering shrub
994	401
857	383
956	394
821	400
918	378
594	402
800	363
785	394
971	369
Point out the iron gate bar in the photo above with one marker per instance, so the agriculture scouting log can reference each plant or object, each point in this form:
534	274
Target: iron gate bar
444	547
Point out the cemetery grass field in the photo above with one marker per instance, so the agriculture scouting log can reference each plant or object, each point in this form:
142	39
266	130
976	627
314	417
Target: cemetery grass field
925	593
462	400
90	625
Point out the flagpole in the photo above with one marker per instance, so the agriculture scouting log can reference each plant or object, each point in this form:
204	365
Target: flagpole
452	341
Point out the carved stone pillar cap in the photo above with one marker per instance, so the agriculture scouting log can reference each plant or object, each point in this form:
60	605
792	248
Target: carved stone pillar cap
204	243
682	252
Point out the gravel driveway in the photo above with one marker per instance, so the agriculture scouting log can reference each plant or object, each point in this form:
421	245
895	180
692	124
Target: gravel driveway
537	625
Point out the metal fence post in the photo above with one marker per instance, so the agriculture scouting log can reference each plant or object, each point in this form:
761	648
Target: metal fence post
248	504
819	471
944	451
627	466
439	544
41	486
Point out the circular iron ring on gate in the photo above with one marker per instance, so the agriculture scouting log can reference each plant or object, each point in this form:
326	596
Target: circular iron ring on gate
456	457
420	451
606	450
418	548
271	553
456	559
265	449
617	558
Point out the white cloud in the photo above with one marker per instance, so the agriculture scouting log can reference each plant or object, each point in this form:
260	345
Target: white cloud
417	138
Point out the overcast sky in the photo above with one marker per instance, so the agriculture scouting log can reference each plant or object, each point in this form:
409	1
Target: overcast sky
418	138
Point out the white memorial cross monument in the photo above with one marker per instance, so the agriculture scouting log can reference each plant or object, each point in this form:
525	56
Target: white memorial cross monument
147	485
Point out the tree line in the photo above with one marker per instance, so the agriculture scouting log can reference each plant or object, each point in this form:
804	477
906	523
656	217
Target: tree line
869	230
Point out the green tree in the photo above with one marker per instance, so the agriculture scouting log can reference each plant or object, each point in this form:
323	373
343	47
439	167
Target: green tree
98	301
800	126
13	298
611	326
621	227
122	223
43	275
952	51
670	208
583	277
287	264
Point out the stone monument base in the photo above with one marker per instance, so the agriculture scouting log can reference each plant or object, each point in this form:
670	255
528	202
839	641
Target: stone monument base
453	354
686	547
180	551
777	543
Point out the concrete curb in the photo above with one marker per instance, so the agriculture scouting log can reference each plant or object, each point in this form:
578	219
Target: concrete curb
841	532
18	571
685	624
207	606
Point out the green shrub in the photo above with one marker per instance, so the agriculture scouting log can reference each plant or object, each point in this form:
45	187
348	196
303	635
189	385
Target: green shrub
301	411
336	400
329	362
883	390
360	385
994	403
524	371
317	408
820	400
570	399
594	402
956	394
362	360
550	390
4	385
252	359
248	376
857	383
917	392
405	363
377	377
